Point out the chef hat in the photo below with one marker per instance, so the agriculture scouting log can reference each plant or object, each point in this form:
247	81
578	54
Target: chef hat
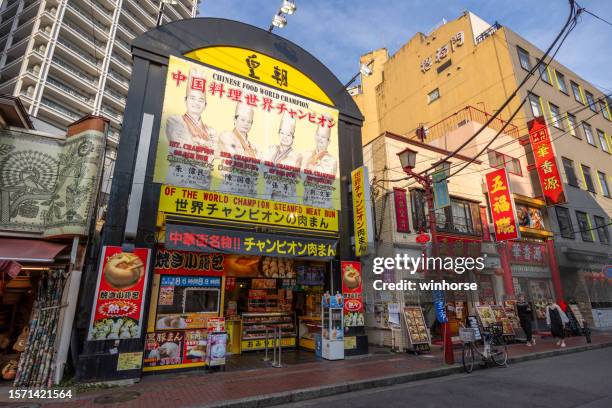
196	81
244	109
287	123
324	130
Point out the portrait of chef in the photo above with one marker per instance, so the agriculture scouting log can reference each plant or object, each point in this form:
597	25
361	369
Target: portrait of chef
319	159
284	188
190	129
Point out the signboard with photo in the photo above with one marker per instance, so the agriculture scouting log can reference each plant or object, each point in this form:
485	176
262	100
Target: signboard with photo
221	132
352	292
117	309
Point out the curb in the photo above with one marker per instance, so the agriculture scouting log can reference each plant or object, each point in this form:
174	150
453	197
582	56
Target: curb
288	397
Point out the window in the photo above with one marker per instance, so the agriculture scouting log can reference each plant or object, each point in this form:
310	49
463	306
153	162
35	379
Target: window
602	141
576	91
534	101
589	133
497	160
524	58
574	130
602	230
433	95
561	82
588	180
544	72
603	183
604	110
565	222
459	217
590	101
584	226
568	166
556	116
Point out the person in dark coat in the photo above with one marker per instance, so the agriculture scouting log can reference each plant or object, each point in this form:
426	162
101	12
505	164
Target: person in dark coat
525	315
556	319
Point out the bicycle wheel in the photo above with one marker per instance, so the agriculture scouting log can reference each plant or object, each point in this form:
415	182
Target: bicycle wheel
499	352
468	357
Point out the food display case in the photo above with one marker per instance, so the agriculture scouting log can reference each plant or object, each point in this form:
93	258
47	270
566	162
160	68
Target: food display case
419	339
254	330
332	327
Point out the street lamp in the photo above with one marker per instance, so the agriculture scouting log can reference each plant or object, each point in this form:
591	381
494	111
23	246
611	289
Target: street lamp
364	70
407	159
287	7
162	4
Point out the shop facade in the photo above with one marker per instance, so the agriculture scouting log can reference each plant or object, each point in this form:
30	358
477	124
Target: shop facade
238	190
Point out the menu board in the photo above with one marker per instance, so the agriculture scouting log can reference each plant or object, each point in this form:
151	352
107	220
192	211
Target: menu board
486	315
511	313
415	324
174	349
500	317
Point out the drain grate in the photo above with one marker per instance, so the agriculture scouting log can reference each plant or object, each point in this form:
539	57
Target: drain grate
117	397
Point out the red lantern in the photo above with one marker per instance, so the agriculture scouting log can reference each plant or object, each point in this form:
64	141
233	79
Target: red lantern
422	238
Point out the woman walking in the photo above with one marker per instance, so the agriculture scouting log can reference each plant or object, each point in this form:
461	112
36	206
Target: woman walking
556	319
525	314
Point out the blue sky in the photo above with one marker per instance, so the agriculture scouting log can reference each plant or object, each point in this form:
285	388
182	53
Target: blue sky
339	31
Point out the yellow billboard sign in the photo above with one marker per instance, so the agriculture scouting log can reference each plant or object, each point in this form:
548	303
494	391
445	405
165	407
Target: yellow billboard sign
221	132
362	210
228	207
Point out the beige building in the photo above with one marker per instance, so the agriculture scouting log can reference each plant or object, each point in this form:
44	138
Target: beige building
468	62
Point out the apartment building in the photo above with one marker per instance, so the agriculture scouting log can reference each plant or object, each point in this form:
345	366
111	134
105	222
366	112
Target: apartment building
68	58
469	62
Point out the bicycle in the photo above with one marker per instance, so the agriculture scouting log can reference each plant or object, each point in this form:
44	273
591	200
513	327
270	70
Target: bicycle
494	347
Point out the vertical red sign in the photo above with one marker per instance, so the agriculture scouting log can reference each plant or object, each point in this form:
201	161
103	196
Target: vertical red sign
401	210
545	162
502	207
486	234
352	293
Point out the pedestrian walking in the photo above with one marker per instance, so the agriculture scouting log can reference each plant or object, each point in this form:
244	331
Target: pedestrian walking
525	314
556	320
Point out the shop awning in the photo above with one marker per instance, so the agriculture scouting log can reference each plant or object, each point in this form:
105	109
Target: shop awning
28	250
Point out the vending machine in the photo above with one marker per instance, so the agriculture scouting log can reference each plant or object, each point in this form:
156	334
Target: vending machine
333	327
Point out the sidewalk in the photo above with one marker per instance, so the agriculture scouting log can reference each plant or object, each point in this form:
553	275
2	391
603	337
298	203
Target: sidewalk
267	386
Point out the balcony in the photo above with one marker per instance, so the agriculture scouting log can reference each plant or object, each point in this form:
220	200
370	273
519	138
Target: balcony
60	111
465	115
84	57
70	95
133	21
100	13
123	46
148	20
85	38
114	100
115	95
118	79
112	114
124	65
127	32
86	19
69	72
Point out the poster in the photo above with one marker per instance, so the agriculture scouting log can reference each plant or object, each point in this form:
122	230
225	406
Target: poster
502	205
164	348
194	347
122	279
352	292
194	300
215	352
224	133
129	361
486	315
545	162
415	324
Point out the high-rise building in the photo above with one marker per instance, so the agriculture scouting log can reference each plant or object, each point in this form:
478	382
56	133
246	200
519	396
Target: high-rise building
423	91
65	59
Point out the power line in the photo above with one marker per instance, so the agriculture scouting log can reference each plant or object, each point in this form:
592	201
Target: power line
596	16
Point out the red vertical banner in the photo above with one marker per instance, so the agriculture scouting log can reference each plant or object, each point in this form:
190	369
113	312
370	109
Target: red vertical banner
545	162
401	210
486	234
502	205
352	293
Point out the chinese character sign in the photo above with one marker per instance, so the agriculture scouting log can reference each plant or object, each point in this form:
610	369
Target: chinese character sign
362	210
401	210
502	205
532	253
122	280
352	293
545	162
224	133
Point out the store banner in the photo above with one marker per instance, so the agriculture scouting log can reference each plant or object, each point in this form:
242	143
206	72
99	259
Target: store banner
401	209
200	239
440	306
121	289
352	292
486	234
546	164
222	132
227	207
440	190
362	211
502	205
456	246
531	253
169	262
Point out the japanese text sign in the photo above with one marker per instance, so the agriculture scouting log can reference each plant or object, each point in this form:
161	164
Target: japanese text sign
532	253
122	280
362	210
502	205
222	132
200	239
401	210
545	162
206	204
352	293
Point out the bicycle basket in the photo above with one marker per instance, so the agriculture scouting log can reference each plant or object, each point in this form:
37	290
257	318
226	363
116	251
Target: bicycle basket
467	335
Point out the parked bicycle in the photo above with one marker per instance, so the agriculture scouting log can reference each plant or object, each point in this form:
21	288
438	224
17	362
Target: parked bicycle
493	347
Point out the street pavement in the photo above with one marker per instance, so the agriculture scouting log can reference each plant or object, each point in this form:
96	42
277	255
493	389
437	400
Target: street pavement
577	380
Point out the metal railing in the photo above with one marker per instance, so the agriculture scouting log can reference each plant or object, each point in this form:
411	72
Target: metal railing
276	344
78	51
68	90
59	108
88	17
488	32
74	71
464	116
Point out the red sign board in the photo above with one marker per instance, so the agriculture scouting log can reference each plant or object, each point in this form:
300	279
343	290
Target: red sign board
352	293
486	234
545	162
532	253
452	245
502	206
401	210
122	280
